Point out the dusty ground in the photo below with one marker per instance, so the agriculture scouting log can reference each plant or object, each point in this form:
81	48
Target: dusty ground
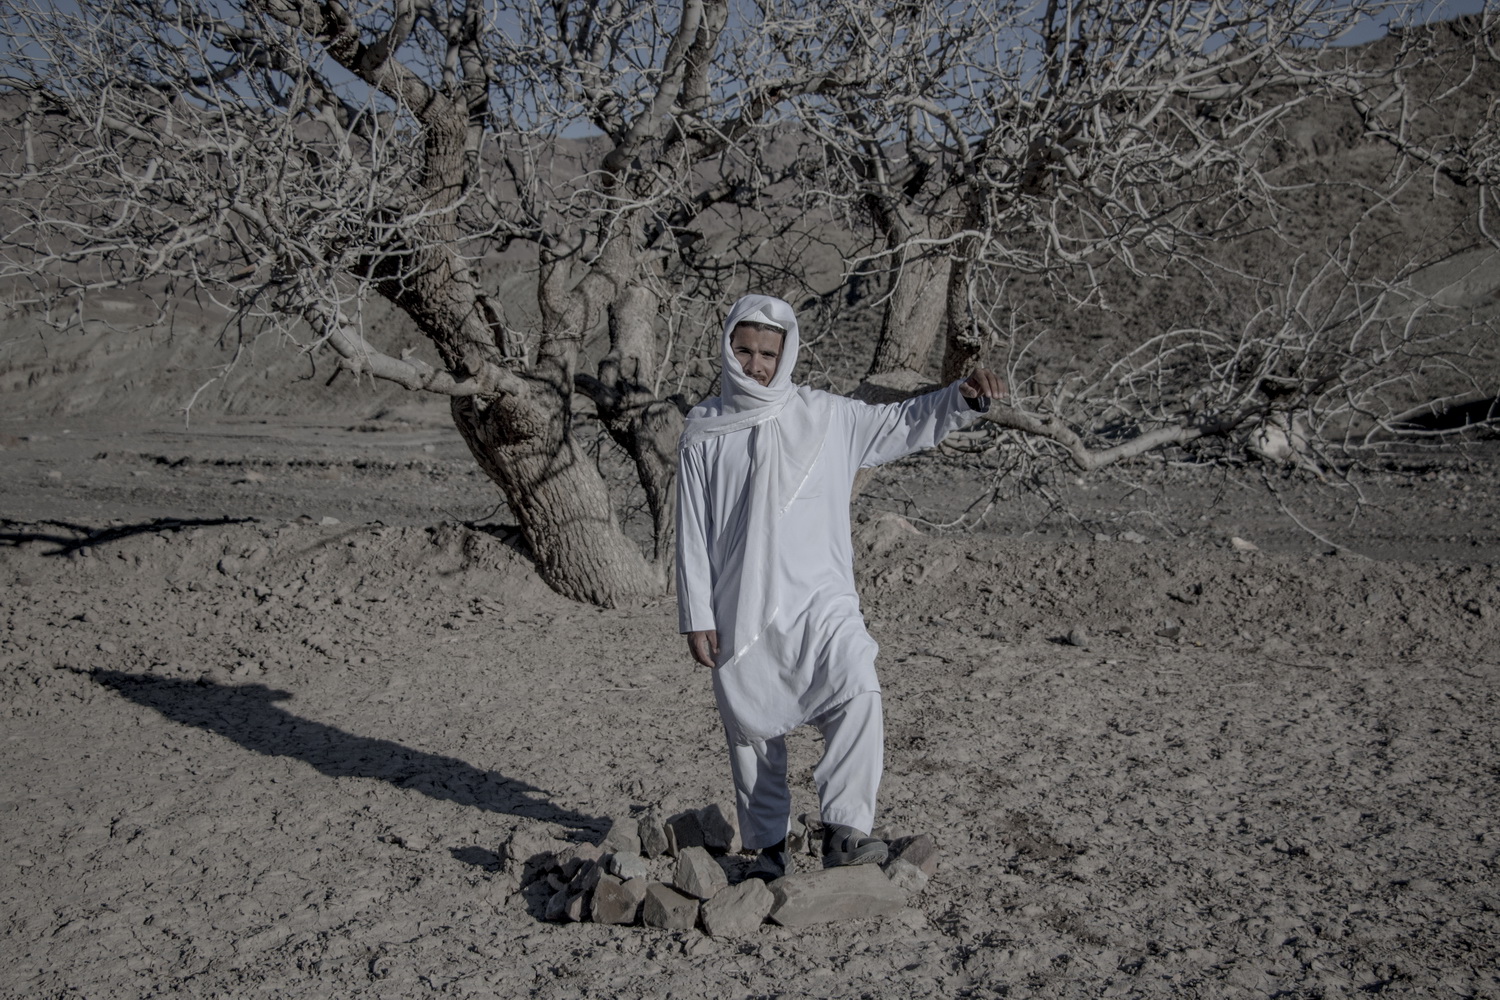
250	753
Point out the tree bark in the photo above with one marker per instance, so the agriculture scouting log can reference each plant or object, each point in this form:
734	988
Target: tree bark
912	317
965	337
557	495
645	426
915	308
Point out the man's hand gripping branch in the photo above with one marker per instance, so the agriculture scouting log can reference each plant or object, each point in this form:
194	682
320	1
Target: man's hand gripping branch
982	384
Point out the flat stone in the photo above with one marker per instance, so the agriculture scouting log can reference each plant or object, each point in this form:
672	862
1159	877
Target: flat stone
624	837
628	866
698	874
617	902
906	876
739	910
920	850
668	909
577	906
720	834
683	831
653	835
854	892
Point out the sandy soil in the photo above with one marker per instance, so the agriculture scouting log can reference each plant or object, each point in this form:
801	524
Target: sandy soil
254	752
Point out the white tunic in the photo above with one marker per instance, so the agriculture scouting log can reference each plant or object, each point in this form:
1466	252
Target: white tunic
814	654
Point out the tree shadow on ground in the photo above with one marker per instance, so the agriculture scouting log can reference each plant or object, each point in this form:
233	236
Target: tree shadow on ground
81	536
247	714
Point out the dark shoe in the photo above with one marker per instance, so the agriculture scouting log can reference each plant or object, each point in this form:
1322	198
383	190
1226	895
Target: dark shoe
844	845
771	863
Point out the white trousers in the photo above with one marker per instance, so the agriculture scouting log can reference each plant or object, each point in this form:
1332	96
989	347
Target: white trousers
847	777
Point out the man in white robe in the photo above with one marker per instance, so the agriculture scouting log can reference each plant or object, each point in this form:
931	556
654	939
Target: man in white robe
765	573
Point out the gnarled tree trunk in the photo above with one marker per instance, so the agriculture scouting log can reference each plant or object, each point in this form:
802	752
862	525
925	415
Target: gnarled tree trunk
553	487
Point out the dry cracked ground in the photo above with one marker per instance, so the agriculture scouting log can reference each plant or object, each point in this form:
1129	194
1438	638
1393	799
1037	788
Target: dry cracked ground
277	691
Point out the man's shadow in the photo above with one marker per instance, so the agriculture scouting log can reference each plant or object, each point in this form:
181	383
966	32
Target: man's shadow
248	715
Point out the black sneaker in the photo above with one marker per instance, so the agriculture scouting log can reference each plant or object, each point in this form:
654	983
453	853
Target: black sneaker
771	863
844	845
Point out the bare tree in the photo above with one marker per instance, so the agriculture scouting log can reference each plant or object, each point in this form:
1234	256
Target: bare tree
293	159
1075	152
296	161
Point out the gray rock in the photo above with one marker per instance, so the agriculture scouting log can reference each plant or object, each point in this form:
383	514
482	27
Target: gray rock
617	902
1078	637
572	860
588	876
683	831
668	909
739	910
557	905
812	833
624	837
920	850
628	866
720	834
854	892
412	840
906	876
698	874
653	835
577	906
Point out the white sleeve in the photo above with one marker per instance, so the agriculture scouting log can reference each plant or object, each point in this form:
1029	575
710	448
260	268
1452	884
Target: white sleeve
888	431
695	578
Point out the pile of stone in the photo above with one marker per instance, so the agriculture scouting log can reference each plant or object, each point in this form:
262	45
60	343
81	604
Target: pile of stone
674	874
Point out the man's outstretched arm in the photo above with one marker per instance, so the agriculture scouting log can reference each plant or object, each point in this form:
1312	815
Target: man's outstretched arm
889	431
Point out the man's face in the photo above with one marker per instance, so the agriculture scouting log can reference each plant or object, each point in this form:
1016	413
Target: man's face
758	350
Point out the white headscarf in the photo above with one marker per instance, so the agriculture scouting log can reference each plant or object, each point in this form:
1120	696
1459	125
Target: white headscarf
788	440
791	438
